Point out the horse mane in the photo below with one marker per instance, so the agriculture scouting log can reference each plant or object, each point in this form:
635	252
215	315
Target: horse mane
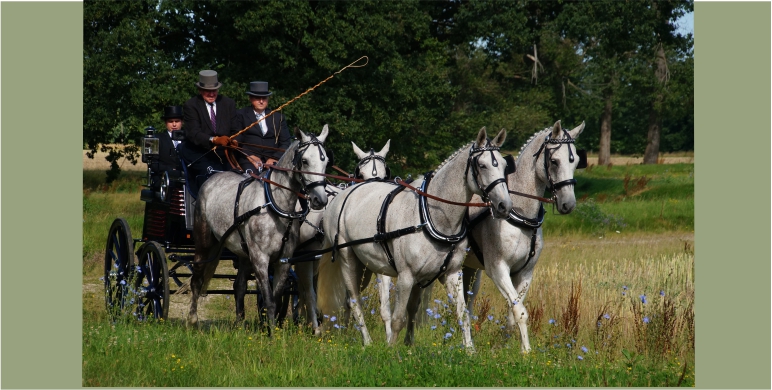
452	156
533	137
292	148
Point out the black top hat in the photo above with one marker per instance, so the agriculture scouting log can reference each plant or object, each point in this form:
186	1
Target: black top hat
207	79
258	88
172	112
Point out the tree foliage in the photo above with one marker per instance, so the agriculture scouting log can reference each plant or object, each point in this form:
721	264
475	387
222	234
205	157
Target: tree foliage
437	71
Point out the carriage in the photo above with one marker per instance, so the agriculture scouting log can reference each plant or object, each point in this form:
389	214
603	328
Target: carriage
140	273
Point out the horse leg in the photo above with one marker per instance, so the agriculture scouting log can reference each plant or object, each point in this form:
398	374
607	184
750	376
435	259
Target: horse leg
351	272
426	299
517	314
404	288
413	303
260	266
453	285
305	272
280	277
384	283
202	272
240	288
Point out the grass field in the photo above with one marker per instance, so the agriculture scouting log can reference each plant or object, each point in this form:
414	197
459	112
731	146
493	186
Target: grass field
611	304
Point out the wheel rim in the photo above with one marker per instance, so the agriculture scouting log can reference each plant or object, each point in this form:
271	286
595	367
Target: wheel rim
118	263
152	283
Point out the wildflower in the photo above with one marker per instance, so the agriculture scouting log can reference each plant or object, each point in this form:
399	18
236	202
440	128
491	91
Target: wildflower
336	326
448	335
437	301
580	357
353	300
138	269
450	296
429	312
606	316
624	287
377	280
443	322
326	316
474	318
552	321
444	305
364	298
515	302
662	293
452	330
460	323
437	316
123	282
434	327
131	301
584	349
497	321
333	318
573	341
599	324
470	293
568	345
102	279
490	317
501	327
643	298
645	320
372	311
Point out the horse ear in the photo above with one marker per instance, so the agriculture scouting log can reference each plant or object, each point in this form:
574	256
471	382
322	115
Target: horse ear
299	134
360	154
576	130
482	137
325	133
556	130
499	140
385	149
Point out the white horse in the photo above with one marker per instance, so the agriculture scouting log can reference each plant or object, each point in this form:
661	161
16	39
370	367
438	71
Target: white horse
418	259
268	230
371	165
508	249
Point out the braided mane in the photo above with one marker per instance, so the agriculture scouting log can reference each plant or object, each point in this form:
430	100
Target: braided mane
452	156
533	137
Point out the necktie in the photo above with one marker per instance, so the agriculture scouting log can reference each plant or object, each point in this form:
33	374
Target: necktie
263	127
212	117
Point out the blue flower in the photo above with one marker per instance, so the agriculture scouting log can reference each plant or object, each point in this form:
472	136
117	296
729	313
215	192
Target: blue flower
452	330
333	318
364	298
326	316
429	312
623	293
624	287
645	320
377	280
474	318
443	322
434	327
662	293
448	335
460	323
568	345
497	321
580	357
102	279
490	317
437	301
470	293
450	296
584	349
599	324
123	282
515	302
606	316
552	321
437	316
139	269
643	298
336	326
372	311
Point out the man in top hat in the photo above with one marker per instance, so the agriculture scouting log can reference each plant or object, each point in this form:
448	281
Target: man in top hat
209	120
271	131
167	145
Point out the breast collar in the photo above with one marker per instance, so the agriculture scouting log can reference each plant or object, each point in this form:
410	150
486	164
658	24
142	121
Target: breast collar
426	218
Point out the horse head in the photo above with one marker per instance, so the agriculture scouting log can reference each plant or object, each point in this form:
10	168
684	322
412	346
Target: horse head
372	164
561	160
310	156
485	172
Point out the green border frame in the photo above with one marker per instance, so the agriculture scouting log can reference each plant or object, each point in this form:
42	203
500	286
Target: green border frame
41	283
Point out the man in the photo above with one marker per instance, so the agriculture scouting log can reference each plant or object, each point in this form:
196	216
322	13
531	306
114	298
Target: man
167	146
209	119
271	131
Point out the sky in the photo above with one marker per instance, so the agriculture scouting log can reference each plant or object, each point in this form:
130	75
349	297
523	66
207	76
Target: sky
686	24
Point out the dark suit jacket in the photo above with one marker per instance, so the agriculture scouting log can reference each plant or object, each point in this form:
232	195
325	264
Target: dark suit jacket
167	154
198	126
276	124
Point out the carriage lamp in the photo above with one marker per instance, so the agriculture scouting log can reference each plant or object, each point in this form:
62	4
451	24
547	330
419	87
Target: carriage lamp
149	145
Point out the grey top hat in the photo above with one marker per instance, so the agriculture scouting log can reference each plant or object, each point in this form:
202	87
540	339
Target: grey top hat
172	112
207	79
258	88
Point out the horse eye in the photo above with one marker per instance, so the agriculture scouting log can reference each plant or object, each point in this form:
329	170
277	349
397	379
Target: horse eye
554	162
482	166
303	162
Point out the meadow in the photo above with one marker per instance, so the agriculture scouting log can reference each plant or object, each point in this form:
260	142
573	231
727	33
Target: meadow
611	304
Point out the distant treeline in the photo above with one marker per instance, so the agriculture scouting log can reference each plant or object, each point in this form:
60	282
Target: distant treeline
437	72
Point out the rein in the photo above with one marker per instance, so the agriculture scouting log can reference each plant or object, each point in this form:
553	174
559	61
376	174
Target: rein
430	196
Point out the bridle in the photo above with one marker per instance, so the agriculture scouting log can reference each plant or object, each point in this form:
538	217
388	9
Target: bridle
552	186
474	156
371	157
297	161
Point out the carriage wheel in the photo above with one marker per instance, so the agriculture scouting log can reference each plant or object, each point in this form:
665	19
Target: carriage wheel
152	282
119	260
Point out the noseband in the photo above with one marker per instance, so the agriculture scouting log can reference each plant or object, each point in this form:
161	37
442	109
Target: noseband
474	156
553	187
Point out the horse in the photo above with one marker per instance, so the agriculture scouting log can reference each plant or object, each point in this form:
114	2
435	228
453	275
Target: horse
416	259
257	213
371	165
508	249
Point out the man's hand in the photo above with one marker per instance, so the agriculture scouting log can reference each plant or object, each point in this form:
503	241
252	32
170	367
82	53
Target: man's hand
221	140
271	161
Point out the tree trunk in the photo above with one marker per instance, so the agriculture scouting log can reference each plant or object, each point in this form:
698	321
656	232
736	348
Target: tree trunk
604	148
652	140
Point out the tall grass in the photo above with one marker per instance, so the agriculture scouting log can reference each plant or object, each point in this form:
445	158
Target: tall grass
606	308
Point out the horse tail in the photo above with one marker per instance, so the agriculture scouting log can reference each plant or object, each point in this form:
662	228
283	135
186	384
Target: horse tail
331	291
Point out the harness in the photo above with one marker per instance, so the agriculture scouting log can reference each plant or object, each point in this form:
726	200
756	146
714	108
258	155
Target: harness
372	157
552	186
